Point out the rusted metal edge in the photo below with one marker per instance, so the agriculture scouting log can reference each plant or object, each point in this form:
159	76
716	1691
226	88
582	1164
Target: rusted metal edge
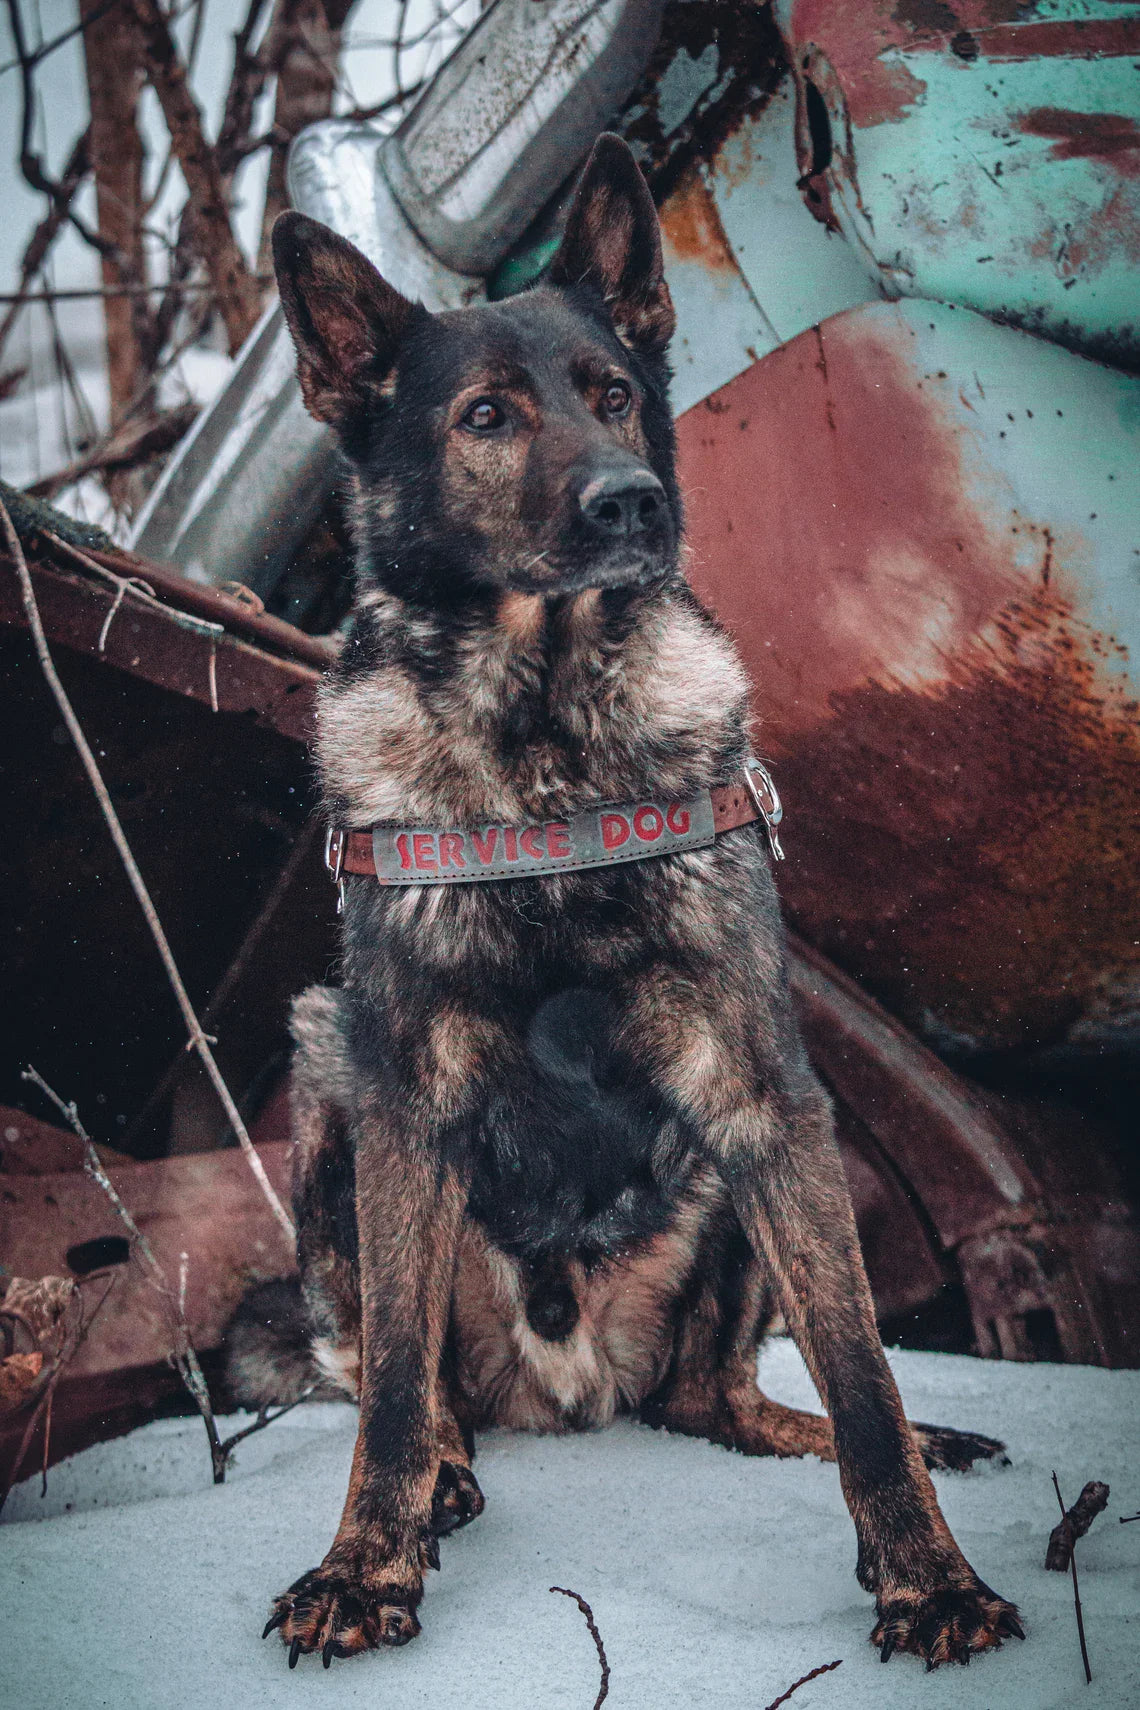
940	1135
216	606
163	644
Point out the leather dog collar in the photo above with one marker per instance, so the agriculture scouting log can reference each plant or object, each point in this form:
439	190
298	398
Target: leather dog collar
596	837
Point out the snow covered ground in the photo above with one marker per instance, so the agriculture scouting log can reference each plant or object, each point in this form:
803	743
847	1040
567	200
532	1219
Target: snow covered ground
716	1581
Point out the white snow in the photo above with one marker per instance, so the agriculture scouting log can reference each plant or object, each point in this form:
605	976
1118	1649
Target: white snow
716	1580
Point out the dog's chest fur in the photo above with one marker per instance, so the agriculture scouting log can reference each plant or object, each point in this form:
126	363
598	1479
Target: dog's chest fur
542	710
529	708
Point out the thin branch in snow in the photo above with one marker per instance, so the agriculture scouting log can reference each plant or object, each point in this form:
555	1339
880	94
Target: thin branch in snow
182	1352
812	1674
1092	1501
138	884
603	1690
1126	1519
1076	1588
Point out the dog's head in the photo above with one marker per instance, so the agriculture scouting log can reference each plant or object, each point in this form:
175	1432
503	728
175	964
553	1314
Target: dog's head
523	445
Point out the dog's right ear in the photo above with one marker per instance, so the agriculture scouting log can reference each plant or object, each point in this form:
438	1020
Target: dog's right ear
347	322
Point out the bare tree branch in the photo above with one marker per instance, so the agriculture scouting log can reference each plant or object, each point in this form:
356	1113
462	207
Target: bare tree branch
247	81
235	287
115	77
125	448
302	46
39	244
37	55
32	168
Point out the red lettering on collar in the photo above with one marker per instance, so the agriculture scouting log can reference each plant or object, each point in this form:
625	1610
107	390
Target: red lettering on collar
677	819
615	830
531	841
423	850
558	841
403	853
511	842
648	823
451	850
485	844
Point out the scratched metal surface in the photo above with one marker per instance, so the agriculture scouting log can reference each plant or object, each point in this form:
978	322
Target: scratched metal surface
983	152
924	531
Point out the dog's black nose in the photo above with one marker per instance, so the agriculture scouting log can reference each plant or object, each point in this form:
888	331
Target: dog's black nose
623	503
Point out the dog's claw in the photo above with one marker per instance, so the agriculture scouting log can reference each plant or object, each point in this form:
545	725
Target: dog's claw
946	1626
277	1619
294	1652
331	1650
1010	1627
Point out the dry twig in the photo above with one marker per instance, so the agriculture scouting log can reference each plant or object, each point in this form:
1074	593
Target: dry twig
1092	1501
812	1674
1076	1588
39	244
138	884
603	1690
73	1338
185	1359
134	442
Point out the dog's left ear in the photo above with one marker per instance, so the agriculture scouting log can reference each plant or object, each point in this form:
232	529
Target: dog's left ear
613	241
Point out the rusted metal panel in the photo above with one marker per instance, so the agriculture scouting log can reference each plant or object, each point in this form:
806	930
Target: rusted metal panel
1028	1216
923	531
983	152
206	1205
213	804
164	644
799	272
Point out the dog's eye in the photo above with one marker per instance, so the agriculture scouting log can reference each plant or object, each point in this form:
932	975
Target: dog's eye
616	398
484	417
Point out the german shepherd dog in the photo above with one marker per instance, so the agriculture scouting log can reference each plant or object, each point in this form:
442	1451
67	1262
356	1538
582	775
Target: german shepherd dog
558	1149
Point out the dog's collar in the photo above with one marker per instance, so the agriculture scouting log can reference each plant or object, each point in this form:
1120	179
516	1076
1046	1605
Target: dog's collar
596	837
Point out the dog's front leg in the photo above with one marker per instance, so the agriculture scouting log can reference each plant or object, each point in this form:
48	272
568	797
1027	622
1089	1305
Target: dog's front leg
774	1145
410	1203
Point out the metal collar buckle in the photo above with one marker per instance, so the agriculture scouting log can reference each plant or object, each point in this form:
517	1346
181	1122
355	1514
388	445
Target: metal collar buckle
335	843
770	811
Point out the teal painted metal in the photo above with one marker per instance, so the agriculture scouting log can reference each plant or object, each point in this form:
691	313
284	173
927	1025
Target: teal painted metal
981	152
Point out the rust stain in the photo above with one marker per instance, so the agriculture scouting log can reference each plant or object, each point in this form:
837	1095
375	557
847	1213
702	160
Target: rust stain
691	225
750	65
1007	797
856	34
1103	235
1068	38
883	569
1087	136
954	742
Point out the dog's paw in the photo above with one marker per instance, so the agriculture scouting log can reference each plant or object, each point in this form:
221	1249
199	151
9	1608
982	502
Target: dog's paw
339	1615
457	1499
950	1625
946	1450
